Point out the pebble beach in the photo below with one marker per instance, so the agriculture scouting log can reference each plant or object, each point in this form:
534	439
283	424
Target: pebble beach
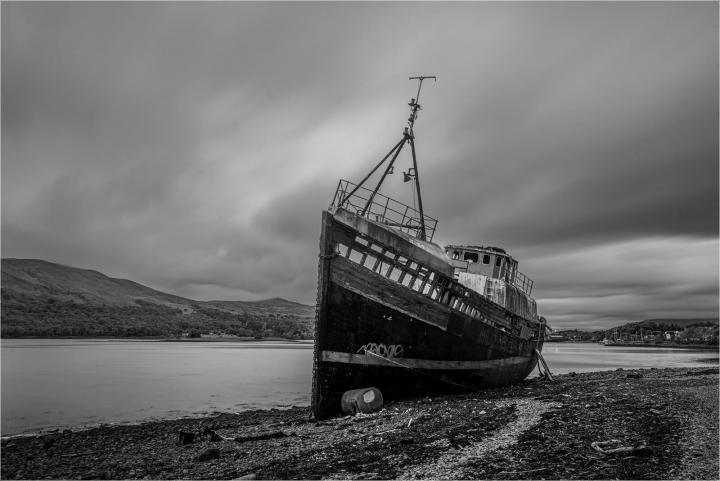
622	424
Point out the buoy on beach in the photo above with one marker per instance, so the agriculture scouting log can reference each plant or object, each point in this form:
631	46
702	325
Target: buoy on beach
366	400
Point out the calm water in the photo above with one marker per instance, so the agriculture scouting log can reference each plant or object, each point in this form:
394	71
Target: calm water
50	384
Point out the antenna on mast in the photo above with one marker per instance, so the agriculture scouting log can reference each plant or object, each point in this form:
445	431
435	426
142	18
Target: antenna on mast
415	103
414	107
408	137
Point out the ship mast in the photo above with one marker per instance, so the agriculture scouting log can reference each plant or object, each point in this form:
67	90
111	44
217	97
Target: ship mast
408	137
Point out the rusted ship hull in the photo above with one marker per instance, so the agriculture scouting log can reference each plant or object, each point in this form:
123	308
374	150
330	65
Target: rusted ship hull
391	315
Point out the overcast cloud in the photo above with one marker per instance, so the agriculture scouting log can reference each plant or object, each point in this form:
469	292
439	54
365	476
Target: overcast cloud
192	146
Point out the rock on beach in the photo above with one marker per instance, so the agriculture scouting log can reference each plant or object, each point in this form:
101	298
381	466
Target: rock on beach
662	424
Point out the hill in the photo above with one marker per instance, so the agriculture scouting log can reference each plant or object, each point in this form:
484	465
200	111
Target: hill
39	278
272	306
41	298
683	331
670	323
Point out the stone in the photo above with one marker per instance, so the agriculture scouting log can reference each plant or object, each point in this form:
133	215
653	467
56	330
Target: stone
185	437
208	454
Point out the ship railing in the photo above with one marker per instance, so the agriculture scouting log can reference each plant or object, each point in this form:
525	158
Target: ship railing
523	282
382	209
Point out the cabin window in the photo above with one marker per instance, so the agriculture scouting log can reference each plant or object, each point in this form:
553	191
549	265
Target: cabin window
369	262
445	297
423	277
430	279
355	256
486	259
456	255
342	249
394	274
471	256
498	261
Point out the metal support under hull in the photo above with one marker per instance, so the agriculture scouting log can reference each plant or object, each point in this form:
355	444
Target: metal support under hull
372	331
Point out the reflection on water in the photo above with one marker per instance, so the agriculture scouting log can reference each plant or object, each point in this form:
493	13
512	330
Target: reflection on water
58	383
565	357
50	383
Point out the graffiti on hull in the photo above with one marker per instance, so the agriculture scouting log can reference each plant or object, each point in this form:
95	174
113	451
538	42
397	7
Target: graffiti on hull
382	350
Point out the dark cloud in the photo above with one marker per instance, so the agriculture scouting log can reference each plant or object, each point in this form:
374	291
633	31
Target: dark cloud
192	146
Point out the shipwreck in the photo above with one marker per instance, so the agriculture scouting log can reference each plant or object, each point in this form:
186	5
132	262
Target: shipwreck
400	313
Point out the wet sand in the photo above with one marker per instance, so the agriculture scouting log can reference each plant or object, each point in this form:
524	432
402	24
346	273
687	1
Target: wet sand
665	419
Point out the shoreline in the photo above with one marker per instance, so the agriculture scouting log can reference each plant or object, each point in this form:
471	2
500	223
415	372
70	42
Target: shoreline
76	428
165	339
530	430
701	347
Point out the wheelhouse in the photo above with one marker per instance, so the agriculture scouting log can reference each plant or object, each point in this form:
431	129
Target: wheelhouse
492	262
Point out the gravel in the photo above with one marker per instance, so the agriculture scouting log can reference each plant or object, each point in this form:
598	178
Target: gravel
532	430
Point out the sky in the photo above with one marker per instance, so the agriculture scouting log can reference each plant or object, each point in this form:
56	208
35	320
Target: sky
192	147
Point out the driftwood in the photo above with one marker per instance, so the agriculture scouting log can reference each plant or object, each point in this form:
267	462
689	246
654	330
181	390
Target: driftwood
383	432
599	446
260	437
523	472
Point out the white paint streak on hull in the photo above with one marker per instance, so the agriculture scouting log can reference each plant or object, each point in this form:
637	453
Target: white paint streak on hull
374	360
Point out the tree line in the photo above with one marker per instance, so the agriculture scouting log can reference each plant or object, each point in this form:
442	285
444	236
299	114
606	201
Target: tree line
703	331
32	316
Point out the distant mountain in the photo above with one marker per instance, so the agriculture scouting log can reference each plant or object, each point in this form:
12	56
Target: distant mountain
39	278
41	298
275	305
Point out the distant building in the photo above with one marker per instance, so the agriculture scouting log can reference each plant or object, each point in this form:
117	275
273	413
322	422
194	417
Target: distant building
556	337
672	335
